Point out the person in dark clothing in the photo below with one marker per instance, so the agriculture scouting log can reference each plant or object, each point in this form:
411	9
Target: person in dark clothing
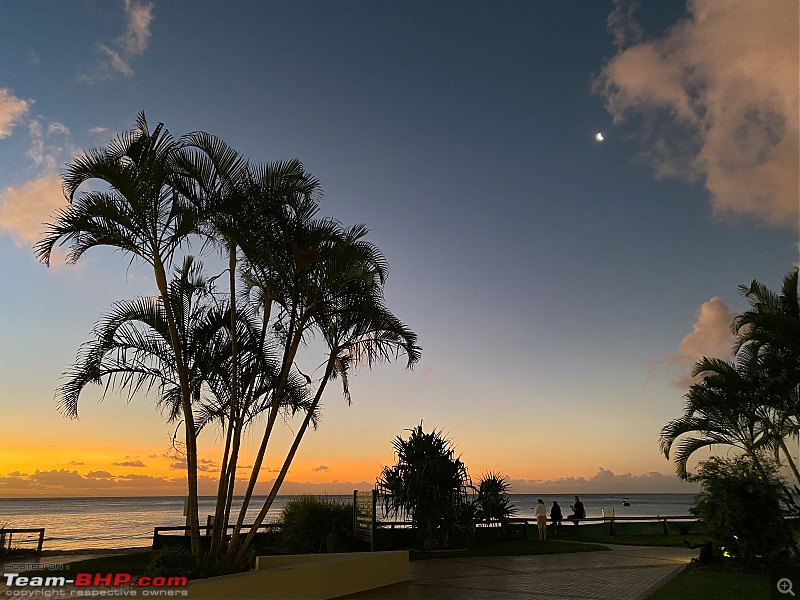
578	512
555	516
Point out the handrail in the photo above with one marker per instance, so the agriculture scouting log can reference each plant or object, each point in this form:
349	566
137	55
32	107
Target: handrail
7	533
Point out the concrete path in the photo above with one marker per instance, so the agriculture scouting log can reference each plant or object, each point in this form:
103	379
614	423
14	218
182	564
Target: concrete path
625	573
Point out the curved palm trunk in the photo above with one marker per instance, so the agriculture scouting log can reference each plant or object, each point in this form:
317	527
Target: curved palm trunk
188	416
239	418
242	551
220	522
295	336
790	460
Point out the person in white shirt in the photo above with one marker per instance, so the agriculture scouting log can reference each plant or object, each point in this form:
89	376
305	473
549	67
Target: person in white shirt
541	519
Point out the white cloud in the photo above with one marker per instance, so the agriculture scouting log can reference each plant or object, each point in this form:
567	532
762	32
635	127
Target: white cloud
137	35
11	111
710	336
716	99
24	209
116	56
115	61
57	128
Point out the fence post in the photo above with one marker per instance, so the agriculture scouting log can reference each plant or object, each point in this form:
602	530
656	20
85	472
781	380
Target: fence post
41	541
664	522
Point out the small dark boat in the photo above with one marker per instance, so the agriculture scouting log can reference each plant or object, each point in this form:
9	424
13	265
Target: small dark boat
625	503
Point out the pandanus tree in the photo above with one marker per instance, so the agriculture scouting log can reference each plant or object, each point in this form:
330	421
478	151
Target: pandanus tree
141	213
429	482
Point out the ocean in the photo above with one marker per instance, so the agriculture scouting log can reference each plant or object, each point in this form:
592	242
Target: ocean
82	523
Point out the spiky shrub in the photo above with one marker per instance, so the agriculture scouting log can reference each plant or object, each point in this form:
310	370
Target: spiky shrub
493	503
311	524
429	483
741	505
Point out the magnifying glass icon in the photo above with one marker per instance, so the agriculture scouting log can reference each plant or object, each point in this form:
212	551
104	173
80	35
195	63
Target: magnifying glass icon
785	586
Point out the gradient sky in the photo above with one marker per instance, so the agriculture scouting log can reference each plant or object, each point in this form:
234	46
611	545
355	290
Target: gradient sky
561	287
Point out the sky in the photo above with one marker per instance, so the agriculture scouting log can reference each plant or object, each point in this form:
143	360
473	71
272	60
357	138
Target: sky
561	287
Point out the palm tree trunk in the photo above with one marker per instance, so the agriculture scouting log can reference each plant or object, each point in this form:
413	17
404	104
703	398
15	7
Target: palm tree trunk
219	514
239	417
242	551
295	336
188	416
792	464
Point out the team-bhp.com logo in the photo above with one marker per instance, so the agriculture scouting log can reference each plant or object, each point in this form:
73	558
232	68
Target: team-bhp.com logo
93	585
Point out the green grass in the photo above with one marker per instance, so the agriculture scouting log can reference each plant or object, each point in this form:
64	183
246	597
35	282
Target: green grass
674	541
633	534
510	548
714	584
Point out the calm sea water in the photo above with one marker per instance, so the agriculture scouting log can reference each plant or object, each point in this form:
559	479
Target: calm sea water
77	523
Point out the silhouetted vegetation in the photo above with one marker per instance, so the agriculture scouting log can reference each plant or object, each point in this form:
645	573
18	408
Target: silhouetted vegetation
223	349
316	524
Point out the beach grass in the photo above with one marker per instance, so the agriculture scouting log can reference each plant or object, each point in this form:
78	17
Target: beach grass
714	584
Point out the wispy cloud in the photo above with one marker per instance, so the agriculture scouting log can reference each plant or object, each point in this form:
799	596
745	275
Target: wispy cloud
130	463
116	56
321	468
12	110
715	100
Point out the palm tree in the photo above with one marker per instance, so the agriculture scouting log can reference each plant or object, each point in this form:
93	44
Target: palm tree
769	332
347	307
727	407
140	213
130	350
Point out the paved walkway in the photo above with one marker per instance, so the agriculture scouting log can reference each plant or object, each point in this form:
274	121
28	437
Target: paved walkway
625	573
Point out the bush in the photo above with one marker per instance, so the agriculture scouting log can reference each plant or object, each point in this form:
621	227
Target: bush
493	502
430	483
741	507
314	525
174	561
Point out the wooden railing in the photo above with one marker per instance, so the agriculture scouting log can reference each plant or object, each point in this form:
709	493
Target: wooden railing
612	520
208	527
7	534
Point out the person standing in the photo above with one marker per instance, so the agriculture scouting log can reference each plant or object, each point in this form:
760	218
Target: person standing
555	516
541	519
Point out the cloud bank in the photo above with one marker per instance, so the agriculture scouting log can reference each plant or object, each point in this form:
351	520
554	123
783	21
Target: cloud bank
716	100
606	482
64	482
